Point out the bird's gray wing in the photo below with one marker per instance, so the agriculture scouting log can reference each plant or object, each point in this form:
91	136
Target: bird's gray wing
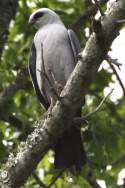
32	70
76	48
75	44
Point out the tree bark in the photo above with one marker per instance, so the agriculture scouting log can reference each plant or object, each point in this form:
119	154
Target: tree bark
18	168
7	13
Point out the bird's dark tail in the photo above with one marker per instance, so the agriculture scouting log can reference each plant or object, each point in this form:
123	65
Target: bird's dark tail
69	151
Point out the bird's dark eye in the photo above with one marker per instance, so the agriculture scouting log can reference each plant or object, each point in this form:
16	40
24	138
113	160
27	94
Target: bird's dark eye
38	15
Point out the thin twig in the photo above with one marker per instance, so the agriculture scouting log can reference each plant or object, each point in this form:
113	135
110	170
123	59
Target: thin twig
55	178
119	160
92	181
99	7
42	185
83	119
20	82
80	120
99	106
120	21
115	163
117	76
114	61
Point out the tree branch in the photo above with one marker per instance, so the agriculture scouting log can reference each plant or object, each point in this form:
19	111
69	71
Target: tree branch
91	11
83	119
98	107
117	75
18	168
99	7
7	13
55	178
92	181
20	82
39	182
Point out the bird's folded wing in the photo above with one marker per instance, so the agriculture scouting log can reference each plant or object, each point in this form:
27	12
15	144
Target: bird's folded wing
32	70
76	48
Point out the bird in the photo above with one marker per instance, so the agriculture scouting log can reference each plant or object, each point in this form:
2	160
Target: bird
53	56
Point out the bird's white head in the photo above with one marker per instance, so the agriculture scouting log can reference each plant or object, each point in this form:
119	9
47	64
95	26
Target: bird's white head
43	16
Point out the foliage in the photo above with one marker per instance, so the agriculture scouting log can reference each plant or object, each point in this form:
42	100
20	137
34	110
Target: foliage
103	136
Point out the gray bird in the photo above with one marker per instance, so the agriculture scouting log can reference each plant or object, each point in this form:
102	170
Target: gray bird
54	53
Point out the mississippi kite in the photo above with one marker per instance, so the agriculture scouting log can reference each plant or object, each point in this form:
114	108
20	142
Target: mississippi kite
55	50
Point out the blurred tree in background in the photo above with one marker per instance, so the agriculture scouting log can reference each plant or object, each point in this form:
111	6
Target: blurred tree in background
104	135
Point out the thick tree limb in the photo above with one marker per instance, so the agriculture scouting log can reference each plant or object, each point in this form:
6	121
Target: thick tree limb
7	13
18	168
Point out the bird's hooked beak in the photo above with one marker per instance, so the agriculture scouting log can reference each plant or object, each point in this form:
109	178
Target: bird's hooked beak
31	21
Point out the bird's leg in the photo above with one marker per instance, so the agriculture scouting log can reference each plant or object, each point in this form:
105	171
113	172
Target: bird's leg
52	103
51	85
59	87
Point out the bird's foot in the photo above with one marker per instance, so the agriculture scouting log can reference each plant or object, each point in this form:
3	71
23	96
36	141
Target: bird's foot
52	103
58	87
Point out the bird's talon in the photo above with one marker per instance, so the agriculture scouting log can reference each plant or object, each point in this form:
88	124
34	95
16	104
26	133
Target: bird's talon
49	115
79	56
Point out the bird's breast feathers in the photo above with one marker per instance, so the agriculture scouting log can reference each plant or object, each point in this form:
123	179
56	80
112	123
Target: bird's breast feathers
50	33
